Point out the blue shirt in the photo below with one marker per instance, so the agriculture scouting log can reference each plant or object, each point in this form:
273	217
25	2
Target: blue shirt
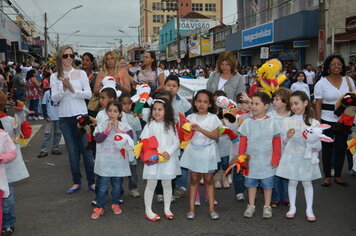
51	107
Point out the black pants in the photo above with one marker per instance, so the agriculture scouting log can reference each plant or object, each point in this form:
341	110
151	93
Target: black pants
339	145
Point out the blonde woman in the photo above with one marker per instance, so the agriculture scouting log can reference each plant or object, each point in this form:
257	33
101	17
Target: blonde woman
70	87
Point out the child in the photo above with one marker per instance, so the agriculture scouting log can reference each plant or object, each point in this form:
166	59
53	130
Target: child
293	165
7	154
15	170
172	84
106	96
51	116
134	122
301	84
161	124
281	111
200	156
260	138
110	164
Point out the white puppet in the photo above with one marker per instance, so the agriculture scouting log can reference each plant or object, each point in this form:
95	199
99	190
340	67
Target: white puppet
312	138
124	143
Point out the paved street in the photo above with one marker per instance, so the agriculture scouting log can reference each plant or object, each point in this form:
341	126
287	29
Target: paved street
43	208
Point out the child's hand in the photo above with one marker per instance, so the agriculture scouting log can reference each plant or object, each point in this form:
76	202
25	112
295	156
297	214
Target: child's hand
110	125
166	155
196	127
290	133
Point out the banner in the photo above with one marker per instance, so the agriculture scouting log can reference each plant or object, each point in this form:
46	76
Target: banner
194	45
189	86
205	43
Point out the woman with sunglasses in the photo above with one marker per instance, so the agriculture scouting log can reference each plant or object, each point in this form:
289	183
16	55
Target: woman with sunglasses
70	87
111	68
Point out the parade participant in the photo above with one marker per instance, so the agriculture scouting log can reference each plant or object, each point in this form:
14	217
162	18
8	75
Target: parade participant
15	170
329	88
226	77
126	81
111	164
165	71
51	116
172	84
88	65
70	87
34	93
293	165
150	74
161	124
19	85
134	123
260	138
281	111
107	95
200	156
301	84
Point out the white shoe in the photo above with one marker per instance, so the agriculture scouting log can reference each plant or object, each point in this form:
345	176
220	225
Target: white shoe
240	197
229	178
36	118
250	211
197	203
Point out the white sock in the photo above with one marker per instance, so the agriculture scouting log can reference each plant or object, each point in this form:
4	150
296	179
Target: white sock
148	196
292	193
309	195
167	196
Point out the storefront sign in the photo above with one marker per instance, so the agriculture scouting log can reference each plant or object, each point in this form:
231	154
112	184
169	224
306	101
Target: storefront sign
350	24
301	44
246	53
321	46
205	43
194	45
276	48
172	50
288	55
9	30
191	24
264	53
259	35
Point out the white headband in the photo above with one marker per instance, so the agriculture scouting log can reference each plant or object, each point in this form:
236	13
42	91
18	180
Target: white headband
159	100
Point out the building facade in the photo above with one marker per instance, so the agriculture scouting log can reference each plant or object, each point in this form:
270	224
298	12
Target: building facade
155	13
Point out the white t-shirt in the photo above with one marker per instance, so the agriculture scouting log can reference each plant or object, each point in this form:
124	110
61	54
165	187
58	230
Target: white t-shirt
310	76
222	83
329	94
300	86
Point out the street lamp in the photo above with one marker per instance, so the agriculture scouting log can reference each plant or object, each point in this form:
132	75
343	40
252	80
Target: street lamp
121	31
69	36
47	28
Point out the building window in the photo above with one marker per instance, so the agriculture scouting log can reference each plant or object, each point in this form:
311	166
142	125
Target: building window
158	18
171	6
210	7
156	30
169	17
197	7
157	6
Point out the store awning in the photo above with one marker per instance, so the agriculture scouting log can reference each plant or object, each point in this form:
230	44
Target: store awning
347	36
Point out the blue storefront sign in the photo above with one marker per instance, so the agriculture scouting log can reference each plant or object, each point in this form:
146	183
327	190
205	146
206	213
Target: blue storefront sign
259	35
276	48
301	44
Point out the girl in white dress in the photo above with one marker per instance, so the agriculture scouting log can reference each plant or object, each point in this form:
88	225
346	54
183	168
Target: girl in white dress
201	155
293	165
111	163
301	84
161	124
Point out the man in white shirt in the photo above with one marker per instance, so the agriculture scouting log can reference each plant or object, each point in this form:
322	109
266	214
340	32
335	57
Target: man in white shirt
310	77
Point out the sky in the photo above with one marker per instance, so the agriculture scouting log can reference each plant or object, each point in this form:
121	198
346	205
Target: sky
96	18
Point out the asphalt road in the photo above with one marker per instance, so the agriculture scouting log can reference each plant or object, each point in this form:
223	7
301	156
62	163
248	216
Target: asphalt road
44	208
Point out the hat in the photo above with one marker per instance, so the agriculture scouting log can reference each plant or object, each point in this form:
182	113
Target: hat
110	82
10	63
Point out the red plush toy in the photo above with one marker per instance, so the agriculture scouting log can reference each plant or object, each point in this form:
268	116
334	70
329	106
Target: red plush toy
185	132
147	151
241	163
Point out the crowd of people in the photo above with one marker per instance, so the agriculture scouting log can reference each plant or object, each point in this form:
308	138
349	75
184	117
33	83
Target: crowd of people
269	130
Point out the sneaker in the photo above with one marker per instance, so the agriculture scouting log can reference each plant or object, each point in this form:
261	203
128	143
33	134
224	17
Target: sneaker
134	193
97	212
229	177
267	212
121	200
42	154
7	231
274	204
116	209
197	202
93	203
240	197
36	118
250	210
179	192
40	118
207	201
160	198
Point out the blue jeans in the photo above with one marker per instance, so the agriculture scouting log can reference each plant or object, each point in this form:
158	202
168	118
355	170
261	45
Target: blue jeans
19	95
133	177
34	106
8	205
51	127
238	180
76	146
182	180
116	185
280	190
224	164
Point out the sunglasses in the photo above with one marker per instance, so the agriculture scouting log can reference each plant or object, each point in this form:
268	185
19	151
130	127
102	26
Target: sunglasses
65	56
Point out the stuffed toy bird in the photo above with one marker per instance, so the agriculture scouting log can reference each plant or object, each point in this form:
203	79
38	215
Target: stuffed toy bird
185	132
147	151
352	148
230	109
241	163
312	138
22	128
121	142
346	109
269	76
141	97
86	125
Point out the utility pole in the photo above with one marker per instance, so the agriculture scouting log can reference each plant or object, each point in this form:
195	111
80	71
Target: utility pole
176	8
46	37
57	42
120	41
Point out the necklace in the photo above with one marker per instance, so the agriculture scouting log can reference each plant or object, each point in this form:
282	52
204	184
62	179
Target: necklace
333	84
